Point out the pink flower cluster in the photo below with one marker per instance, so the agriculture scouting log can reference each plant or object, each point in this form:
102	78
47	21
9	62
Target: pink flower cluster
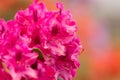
39	45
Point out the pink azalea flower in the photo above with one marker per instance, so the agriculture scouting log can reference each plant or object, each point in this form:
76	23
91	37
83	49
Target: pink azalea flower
39	45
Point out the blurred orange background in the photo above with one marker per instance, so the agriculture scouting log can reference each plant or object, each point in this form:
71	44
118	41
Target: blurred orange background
98	28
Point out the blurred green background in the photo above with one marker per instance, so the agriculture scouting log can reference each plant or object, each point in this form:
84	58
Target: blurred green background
98	27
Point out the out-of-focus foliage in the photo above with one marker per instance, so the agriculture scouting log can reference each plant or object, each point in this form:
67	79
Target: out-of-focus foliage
9	7
99	30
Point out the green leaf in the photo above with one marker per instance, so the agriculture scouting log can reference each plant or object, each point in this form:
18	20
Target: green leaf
37	50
